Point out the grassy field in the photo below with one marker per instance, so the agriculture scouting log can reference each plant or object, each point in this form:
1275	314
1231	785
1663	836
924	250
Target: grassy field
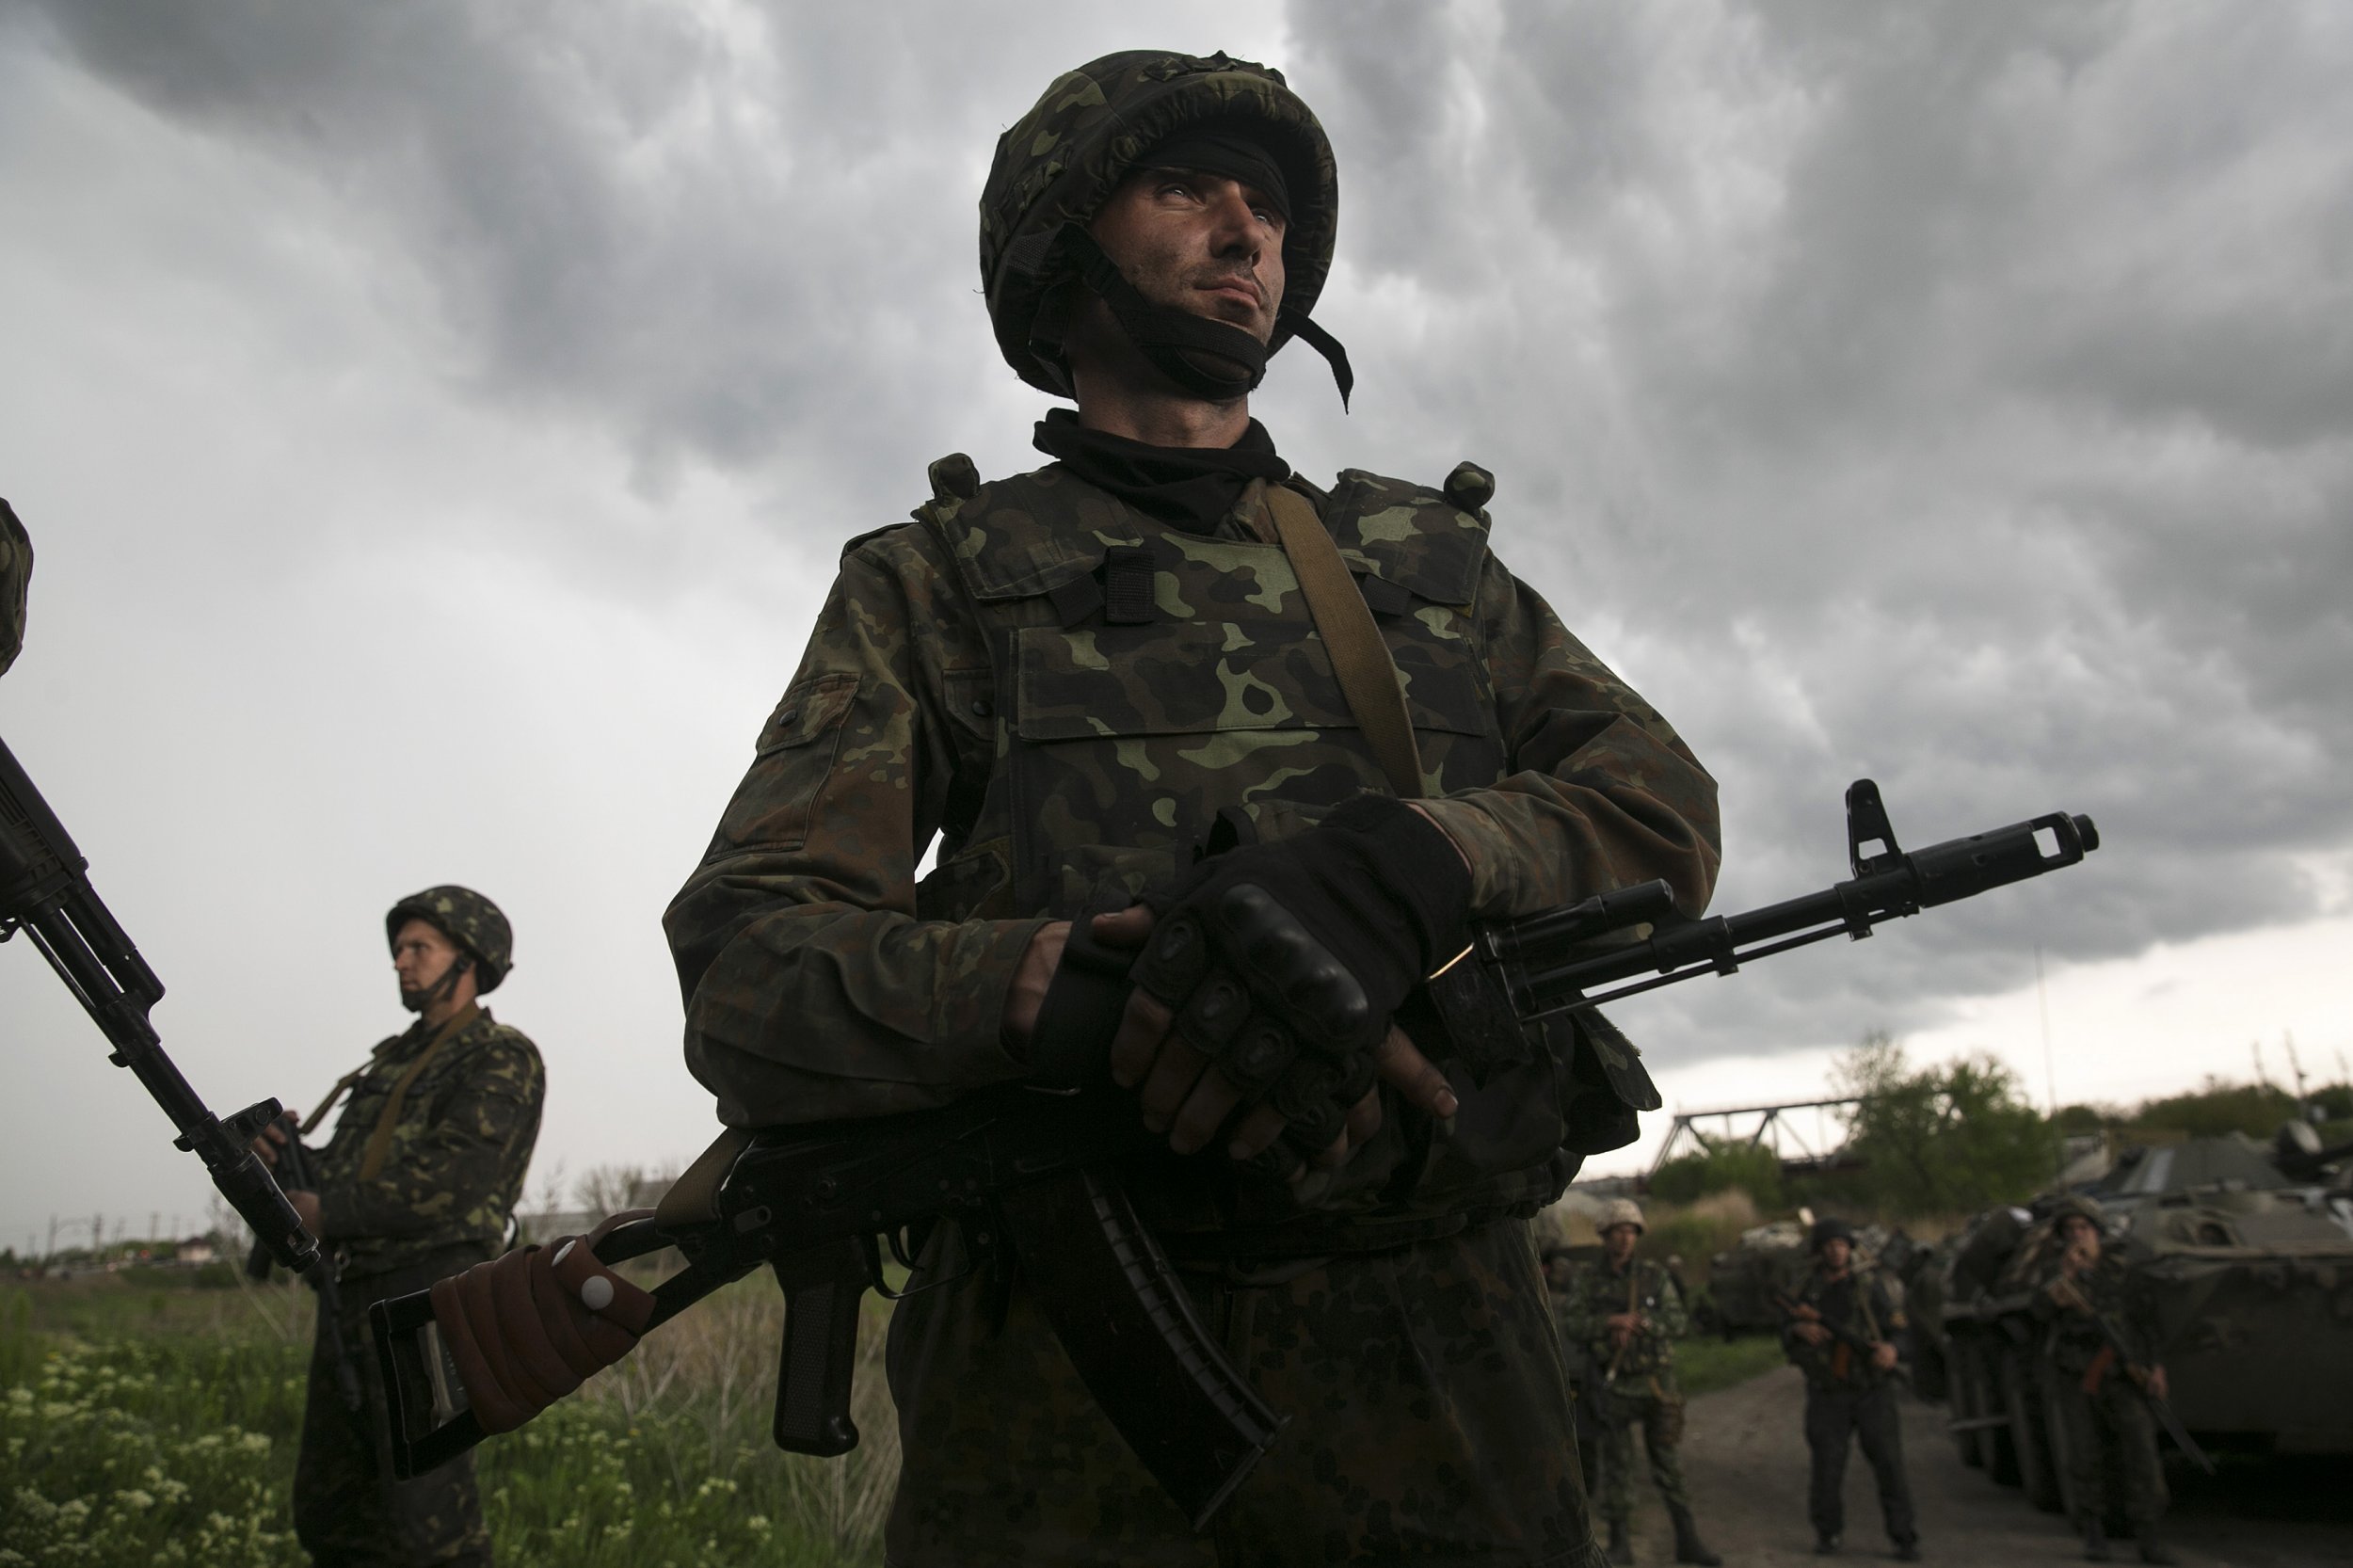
148	1419
147	1422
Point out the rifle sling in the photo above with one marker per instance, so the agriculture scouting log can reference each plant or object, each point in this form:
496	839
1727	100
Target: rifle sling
380	1139
1360	658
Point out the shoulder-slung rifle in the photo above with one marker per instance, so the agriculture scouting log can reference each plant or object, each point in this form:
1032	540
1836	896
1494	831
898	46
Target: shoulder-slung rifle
1034	1179
45	893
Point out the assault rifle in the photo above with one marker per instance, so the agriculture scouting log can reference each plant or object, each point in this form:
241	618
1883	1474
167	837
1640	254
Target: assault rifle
45	892
1852	1338
1034	1179
2070	1294
297	1175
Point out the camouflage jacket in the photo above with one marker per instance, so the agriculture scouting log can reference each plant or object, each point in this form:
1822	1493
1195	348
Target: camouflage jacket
2072	1341
453	1171
986	675
1597	1293
16	573
1857	1302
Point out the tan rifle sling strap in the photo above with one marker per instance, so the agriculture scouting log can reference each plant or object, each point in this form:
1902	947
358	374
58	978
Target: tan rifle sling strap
380	1140
1360	659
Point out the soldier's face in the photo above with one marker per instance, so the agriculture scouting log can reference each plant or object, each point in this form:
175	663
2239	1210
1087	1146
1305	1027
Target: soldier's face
2080	1235
421	956
1835	1254
1618	1241
1202	243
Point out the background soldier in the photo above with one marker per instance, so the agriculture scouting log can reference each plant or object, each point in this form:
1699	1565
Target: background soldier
1840	1332
1621	1316
16	575
418	1182
1074	676
2102	1398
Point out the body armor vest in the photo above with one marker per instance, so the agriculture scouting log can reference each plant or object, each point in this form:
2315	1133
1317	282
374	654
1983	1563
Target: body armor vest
1148	680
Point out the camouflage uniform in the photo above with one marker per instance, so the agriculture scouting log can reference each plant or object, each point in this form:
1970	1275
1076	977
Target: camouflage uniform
1848	1402
965	678
2098	1402
1631	1387
16	572
439	1203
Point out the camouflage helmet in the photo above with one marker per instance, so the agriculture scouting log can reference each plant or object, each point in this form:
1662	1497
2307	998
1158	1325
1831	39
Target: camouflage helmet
1827	1229
1616	1212
467	919
2078	1205
1055	167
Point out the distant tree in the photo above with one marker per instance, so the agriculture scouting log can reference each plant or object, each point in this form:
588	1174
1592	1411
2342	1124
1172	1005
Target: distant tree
1720	1168
2085	1118
2217	1107
1942	1139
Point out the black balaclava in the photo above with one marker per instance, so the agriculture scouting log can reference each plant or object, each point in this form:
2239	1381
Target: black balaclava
1193	487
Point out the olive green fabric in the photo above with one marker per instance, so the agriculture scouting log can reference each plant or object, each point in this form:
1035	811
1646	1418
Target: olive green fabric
16	575
965	679
454	1161
1057	163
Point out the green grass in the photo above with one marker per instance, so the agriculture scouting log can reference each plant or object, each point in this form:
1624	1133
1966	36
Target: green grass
1706	1364
146	1423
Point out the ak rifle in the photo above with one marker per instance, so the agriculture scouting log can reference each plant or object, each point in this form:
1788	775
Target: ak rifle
1034	1179
2071	1295
45	892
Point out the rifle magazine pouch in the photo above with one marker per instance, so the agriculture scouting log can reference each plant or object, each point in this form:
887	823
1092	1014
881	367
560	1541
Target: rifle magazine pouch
1608	1084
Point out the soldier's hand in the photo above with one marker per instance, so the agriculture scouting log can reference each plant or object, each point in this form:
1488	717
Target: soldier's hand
1883	1356
306	1208
267	1142
2157	1383
1813	1334
1181	1091
1030	978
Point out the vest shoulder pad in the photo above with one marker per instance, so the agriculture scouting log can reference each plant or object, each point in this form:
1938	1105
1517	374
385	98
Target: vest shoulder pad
1409	535
1027	532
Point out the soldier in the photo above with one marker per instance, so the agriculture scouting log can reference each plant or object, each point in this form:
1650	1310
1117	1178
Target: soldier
1080	677
418	1182
1621	1319
16	574
2102	1398
1840	1331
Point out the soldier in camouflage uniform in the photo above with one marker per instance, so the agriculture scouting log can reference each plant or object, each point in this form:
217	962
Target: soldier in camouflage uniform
2101	1399
418	1182
1621	1316
1077	678
1840	1331
16	574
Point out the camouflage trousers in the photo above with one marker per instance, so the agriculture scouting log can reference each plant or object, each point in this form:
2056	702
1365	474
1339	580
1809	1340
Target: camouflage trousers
1430	1422
1657	1413
2109	1433
348	1508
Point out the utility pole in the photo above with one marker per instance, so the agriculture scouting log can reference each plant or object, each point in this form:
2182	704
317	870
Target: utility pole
2287	1041
2257	1047
2042	1005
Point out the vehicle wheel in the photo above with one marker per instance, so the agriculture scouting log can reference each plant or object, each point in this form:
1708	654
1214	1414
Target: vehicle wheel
2033	1449
1966	1403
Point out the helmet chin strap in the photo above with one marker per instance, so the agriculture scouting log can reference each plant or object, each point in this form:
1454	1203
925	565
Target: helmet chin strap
439	992
1212	360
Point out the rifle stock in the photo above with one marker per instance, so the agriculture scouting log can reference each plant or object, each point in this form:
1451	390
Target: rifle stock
1032	1178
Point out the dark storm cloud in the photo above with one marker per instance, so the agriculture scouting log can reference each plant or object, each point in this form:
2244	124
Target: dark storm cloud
1955	392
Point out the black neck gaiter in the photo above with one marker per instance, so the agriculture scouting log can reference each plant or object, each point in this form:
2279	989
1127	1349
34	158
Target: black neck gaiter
1193	487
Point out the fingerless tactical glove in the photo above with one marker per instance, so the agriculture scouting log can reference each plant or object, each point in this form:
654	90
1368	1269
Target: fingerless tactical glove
1283	962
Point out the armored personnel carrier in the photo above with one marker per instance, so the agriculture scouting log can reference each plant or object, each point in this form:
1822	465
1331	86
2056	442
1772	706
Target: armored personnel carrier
2247	1250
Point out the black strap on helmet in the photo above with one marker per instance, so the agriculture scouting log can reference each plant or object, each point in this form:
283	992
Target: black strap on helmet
1210	359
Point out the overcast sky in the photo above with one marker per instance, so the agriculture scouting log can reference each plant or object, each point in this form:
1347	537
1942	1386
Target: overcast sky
437	424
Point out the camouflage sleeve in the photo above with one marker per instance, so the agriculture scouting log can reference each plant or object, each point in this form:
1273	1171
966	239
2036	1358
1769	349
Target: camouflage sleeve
1601	792
1672	1319
812	990
16	573
467	1163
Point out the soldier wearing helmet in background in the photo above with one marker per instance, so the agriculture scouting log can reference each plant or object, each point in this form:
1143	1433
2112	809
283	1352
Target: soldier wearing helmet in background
1621	1316
1084	678
2102	1398
418	1182
1840	1331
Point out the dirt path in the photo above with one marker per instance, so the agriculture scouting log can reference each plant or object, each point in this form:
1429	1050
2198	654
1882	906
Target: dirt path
1746	1460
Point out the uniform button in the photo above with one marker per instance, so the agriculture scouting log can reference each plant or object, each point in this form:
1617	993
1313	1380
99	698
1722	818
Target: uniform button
982	708
788	715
